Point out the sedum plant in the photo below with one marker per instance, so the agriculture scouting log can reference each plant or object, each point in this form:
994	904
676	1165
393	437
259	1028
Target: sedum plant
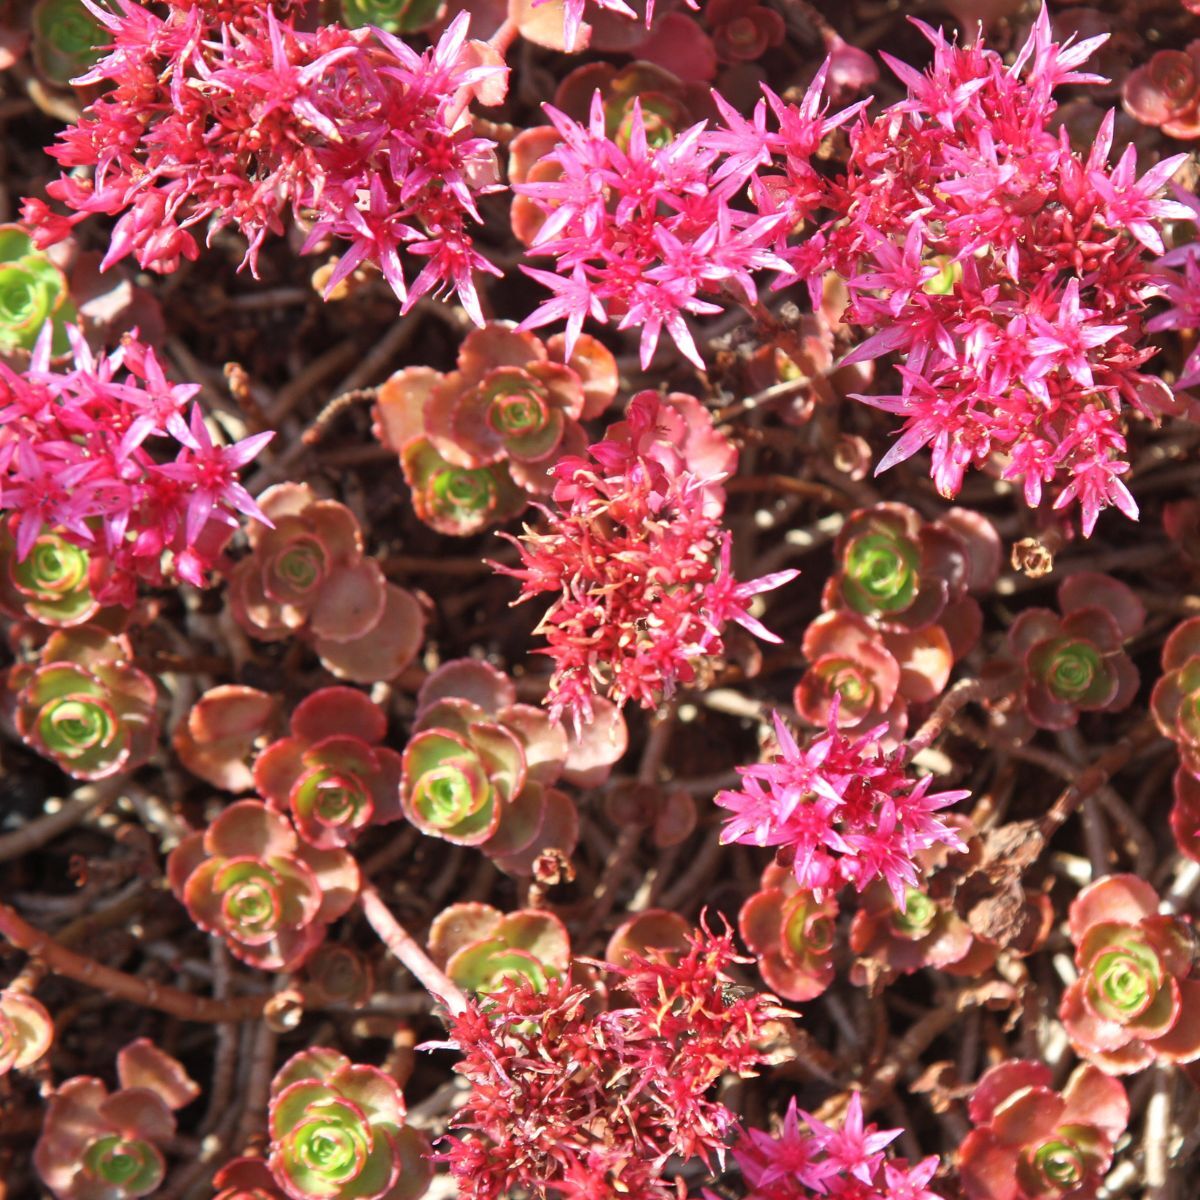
1134	1002
97	1145
1031	1142
84	704
33	291
337	1132
53	584
68	39
1175	701
480	948
251	881
791	933
332	775
306	575
1076	662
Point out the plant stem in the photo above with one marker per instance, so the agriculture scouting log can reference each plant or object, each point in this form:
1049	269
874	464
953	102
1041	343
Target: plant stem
61	961
402	944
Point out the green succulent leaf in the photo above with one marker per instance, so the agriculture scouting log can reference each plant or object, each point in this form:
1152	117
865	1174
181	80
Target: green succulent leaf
881	573
133	1167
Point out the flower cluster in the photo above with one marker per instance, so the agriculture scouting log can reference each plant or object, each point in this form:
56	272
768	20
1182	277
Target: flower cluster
845	1163
840	811
307	576
76	460
584	1103
1134	1002
1011	273
230	115
646	233
636	559
1030	1142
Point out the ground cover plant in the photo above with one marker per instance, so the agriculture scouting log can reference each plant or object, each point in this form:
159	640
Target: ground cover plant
601	601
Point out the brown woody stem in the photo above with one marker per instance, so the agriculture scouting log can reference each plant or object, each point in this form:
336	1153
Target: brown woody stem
61	961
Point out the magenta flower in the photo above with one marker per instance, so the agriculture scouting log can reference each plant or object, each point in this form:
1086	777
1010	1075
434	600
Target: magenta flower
370	140
840	810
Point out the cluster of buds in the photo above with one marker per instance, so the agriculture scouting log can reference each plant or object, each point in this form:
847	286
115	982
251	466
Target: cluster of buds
338	1132
75	445
636	560
475	442
480	948
1030	1142
84	705
96	1144
307	576
791	933
531	1115
1134	1002
1074	660
899	612
250	880
480	768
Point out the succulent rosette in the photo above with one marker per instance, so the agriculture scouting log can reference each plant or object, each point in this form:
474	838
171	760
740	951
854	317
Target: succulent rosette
1030	1142
308	576
1134	1002
338	976
927	932
742	32
1076	662
1175	701
1165	91
392	16
849	661
52	585
904	573
67	39
85	705
332	774
100	1146
455	500
791	934
250	880
26	1030
337	1132
33	290
479	767
480	948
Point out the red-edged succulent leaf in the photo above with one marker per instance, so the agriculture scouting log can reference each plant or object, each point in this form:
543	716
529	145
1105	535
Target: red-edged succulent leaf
1096	1099
141	1064
218	738
468	679
1115	898
999	1083
987	1168
1091	589
656	928
246	1179
384	650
